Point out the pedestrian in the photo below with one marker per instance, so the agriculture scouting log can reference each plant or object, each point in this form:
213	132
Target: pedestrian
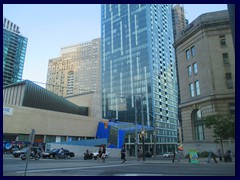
123	154
178	156
211	155
219	155
103	153
99	153
174	154
139	153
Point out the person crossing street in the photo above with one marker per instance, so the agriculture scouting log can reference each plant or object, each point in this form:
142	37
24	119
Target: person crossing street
123	154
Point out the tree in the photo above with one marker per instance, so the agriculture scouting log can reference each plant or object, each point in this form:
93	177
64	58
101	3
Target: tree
223	126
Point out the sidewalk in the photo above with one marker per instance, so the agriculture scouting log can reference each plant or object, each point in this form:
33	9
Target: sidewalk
182	161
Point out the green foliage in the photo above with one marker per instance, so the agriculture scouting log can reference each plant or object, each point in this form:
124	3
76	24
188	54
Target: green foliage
203	154
223	126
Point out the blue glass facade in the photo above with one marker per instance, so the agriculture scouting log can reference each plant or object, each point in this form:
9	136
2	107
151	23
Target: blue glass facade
14	50
138	67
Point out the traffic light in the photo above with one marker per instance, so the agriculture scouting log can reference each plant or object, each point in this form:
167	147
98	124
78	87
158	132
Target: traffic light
105	124
180	147
141	137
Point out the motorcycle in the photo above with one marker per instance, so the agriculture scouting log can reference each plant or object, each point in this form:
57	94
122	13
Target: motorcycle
95	155
104	156
88	156
60	156
32	155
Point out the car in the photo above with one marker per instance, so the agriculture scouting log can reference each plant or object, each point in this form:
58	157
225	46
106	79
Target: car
52	154
168	155
17	153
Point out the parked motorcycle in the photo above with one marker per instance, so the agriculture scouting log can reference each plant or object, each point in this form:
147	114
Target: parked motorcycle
96	154
32	155
61	156
88	156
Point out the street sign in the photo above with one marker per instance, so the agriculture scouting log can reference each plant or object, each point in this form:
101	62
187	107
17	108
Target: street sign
193	156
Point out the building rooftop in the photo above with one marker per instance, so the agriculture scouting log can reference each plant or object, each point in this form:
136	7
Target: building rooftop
32	95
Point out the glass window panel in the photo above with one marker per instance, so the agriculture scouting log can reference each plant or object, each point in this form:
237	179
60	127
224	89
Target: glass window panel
197	88
188	54
193	51
189	70
191	88
195	68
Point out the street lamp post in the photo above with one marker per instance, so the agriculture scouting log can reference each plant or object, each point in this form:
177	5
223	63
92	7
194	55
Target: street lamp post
155	136
143	138
136	126
136	136
155	139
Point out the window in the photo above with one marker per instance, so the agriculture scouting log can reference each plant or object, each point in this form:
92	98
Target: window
225	58
198	130
50	139
231	108
188	54
189	70
191	89
193	51
229	80
195	68
197	88
222	40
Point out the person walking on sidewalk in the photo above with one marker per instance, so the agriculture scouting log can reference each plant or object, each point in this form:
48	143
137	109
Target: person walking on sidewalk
178	155
103	154
99	154
211	155
174	155
140	153
123	154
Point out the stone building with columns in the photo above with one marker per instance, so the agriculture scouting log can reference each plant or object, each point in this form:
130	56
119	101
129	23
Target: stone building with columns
206	70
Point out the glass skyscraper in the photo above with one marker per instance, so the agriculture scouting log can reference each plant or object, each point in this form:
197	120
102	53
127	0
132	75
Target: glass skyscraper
138	68
14	50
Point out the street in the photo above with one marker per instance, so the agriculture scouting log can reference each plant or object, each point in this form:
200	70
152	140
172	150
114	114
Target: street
113	167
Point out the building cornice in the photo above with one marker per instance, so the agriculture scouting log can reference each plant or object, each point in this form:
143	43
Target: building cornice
199	24
207	98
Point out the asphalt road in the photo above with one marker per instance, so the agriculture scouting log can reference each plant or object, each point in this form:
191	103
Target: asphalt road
113	167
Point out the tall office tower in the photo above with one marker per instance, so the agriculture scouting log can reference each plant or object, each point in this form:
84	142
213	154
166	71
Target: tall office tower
179	20
138	68
76	71
179	23
206	66
14	50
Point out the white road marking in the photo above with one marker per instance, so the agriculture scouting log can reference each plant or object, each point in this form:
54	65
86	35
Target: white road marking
75	168
138	174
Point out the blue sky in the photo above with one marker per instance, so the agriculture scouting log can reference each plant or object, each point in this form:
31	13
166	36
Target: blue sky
50	27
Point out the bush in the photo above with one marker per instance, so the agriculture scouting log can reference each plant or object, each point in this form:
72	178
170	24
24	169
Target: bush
203	154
